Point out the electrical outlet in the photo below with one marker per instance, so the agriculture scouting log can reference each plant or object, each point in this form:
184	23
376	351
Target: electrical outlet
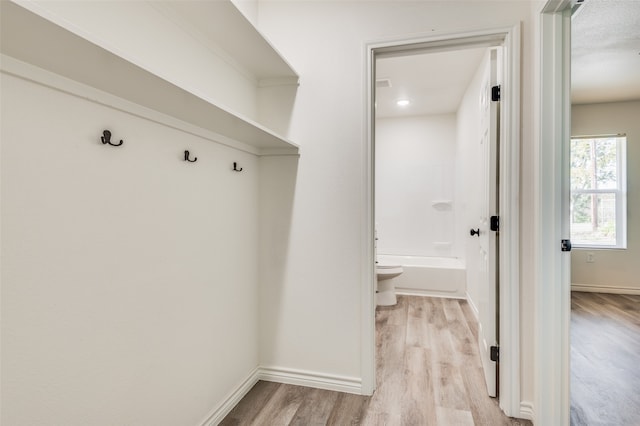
591	257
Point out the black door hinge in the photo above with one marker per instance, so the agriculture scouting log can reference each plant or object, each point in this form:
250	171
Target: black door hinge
565	245
494	224
495	93
495	353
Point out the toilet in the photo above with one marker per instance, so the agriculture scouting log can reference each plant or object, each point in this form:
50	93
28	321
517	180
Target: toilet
386	291
385	287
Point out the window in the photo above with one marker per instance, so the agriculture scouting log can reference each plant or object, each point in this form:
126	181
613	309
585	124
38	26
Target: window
598	191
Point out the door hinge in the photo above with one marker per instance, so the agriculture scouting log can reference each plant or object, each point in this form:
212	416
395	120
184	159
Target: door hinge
495	353
495	93
565	245
494	224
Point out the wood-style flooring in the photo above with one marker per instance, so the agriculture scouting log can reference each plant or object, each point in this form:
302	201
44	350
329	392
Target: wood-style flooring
428	373
605	359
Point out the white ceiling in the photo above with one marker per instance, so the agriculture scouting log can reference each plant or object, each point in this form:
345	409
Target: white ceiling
605	58
433	82
605	51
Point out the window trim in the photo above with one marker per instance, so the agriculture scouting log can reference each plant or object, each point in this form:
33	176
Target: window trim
620	193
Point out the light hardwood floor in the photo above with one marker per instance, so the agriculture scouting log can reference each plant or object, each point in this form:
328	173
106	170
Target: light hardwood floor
428	373
605	359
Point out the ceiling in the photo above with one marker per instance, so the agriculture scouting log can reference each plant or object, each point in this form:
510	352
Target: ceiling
433	82
605	63
605	51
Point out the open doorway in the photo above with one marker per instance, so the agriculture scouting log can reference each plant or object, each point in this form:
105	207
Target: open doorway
553	298
435	180
604	159
441	207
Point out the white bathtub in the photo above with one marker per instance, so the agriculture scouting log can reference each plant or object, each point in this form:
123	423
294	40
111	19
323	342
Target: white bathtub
429	276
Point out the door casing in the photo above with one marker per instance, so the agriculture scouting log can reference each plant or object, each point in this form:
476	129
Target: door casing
509	267
553	268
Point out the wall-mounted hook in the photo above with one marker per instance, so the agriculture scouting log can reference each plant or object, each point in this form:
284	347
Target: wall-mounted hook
235	167
186	157
106	139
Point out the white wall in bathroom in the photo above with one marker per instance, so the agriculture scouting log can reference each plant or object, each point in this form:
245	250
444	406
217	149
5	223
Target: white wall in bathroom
416	168
129	276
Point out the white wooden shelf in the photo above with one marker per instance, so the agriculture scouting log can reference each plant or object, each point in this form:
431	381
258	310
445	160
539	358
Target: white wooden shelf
31	38
220	24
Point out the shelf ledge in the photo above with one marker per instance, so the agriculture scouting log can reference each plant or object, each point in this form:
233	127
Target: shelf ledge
30	38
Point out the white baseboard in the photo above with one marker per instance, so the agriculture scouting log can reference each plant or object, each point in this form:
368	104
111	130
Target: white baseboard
427	293
526	410
216	415
474	308
311	379
604	289
281	375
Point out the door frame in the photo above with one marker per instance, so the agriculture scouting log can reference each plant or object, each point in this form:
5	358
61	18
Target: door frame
553	268
509	263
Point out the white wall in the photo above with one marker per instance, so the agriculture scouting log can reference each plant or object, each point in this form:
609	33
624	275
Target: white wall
613	270
317	324
129	277
416	167
249	9
146	34
311	317
140	304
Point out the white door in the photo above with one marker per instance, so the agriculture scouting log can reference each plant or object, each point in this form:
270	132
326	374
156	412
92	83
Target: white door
487	302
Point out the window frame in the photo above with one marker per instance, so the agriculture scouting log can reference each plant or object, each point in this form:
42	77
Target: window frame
620	193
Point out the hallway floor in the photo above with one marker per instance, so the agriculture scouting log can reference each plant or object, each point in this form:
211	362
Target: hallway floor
605	359
428	373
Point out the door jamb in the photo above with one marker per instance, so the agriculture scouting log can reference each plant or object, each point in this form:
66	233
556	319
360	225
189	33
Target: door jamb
553	293
509	268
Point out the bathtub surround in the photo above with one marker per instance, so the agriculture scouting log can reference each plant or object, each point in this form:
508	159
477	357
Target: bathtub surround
415	178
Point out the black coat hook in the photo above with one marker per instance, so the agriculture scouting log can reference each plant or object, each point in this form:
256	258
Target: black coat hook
186	157
235	167
106	139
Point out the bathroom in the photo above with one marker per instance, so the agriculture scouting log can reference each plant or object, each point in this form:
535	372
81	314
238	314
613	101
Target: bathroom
427	173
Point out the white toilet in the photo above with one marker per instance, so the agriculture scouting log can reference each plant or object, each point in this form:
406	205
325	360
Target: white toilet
385	287
386	291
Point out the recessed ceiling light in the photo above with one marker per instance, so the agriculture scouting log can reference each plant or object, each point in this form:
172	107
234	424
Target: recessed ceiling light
403	102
